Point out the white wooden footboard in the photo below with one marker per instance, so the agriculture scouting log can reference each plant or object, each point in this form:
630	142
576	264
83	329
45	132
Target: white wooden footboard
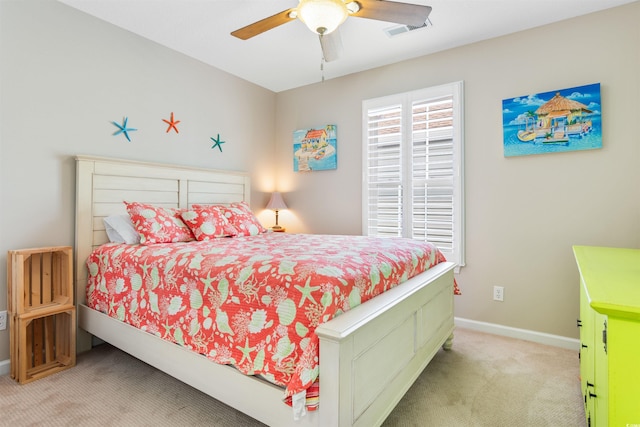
370	356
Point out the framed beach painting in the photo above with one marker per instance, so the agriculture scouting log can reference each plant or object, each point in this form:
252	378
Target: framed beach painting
315	149
553	122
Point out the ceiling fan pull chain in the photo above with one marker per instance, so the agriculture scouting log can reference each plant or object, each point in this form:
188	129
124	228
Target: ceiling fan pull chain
322	68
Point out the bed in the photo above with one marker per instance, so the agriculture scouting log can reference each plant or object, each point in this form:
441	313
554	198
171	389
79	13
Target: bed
399	330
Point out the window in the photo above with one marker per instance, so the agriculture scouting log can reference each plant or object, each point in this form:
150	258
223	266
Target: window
413	157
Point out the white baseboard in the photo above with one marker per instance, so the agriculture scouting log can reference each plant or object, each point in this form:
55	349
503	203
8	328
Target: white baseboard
523	334
4	367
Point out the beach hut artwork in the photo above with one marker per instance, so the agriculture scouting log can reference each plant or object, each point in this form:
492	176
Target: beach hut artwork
552	122
315	149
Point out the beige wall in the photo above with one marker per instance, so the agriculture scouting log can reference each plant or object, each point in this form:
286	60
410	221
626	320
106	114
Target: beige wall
65	76
523	214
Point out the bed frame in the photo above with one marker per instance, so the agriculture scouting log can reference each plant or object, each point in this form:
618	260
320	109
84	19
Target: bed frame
395	334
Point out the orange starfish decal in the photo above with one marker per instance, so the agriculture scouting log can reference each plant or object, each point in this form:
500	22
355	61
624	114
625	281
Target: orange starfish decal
172	124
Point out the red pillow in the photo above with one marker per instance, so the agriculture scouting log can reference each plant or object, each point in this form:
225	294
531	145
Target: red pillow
158	225
241	217
208	222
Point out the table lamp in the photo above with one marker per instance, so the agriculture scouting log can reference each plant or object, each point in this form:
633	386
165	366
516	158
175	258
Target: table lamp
276	204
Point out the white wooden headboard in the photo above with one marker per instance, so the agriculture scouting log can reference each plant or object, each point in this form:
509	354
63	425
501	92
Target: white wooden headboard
102	184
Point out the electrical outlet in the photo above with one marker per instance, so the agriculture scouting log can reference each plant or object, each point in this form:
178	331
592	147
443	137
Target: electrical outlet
3	320
498	293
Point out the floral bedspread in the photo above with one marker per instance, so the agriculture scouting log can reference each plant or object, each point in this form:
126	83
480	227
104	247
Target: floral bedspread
252	302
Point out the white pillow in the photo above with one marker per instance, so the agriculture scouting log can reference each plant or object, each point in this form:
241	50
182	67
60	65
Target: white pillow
120	229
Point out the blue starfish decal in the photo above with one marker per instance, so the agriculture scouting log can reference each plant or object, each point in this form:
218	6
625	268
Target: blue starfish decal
123	129
218	143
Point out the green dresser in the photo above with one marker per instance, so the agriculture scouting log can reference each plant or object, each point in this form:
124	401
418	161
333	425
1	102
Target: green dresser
610	335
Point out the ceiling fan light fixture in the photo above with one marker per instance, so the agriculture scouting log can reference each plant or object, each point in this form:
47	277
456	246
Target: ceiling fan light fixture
322	16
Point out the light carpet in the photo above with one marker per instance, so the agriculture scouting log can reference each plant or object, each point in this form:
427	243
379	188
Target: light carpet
486	380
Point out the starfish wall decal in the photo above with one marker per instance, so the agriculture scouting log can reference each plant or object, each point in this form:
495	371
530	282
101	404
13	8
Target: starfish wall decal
172	124
123	129
218	143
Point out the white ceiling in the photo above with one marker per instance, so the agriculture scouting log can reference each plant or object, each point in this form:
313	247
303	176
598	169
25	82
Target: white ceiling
289	56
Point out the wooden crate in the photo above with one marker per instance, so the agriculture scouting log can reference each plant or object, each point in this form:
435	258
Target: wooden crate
42	312
42	344
40	279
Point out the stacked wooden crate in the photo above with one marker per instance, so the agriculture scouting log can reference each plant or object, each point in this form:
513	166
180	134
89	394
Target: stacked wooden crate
42	312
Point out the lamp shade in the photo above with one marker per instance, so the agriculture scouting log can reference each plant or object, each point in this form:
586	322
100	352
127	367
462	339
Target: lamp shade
276	203
322	16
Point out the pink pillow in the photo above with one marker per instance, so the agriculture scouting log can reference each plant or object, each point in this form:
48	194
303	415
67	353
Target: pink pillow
241	217
158	225
208	222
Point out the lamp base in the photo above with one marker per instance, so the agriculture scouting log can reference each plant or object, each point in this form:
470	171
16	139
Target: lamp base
277	229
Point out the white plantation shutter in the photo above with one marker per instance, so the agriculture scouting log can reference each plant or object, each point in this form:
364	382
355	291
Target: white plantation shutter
432	172
413	167
384	192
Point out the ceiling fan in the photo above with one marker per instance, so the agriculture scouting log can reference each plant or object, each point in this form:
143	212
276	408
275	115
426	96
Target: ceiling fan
324	16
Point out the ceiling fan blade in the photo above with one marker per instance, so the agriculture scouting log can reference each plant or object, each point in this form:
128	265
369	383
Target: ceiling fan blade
331	45
391	11
263	25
